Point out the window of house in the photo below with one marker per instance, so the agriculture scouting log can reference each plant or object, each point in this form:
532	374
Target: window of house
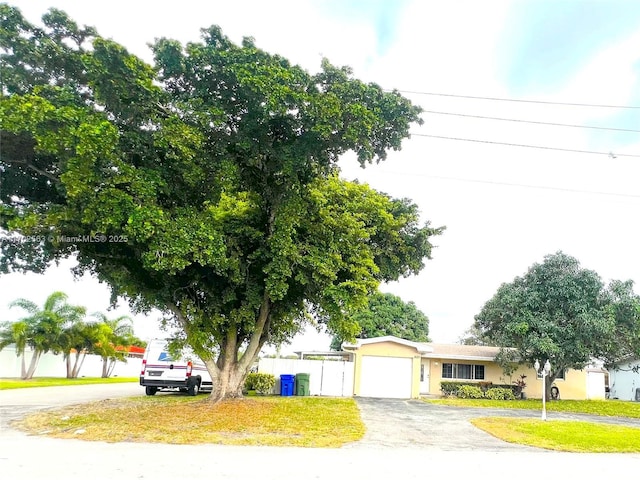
463	371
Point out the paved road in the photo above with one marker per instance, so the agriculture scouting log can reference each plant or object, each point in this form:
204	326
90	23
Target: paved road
21	401
391	449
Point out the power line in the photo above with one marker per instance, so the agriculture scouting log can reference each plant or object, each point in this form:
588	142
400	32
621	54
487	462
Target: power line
540	147
532	121
524	185
520	185
499	99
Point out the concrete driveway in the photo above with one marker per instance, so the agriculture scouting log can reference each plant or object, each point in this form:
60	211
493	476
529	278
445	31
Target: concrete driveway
411	423
414	423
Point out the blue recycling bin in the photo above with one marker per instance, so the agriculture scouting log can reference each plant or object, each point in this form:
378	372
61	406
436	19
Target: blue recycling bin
286	385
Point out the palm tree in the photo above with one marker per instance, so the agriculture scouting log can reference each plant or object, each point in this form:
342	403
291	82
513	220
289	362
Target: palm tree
15	333
78	337
43	329
114	336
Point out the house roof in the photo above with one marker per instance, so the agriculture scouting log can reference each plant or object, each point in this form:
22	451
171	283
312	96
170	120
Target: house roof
331	353
433	350
462	352
422	348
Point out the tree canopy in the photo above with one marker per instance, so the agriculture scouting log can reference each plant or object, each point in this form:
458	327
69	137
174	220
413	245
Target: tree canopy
561	312
388	314
205	185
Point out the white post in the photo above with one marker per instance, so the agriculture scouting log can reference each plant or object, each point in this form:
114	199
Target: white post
544	371
544	395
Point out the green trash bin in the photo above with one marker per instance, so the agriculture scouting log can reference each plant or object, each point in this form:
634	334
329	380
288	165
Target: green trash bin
302	384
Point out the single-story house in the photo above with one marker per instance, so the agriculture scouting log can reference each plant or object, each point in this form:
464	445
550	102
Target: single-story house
624	380
391	367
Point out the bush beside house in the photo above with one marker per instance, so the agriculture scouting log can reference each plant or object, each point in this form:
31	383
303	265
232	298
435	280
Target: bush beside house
479	390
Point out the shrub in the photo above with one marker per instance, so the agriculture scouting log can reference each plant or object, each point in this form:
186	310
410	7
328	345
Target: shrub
484	386
469	391
450	388
260	382
500	393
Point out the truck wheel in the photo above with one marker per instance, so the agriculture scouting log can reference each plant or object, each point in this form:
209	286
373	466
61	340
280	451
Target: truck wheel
193	388
151	390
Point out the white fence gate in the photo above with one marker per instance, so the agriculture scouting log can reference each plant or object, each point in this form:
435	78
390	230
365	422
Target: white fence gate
327	377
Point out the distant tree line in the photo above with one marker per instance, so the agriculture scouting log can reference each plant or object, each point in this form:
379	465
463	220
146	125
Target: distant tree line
61	328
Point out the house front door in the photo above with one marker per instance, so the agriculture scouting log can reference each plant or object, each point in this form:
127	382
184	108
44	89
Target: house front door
425	365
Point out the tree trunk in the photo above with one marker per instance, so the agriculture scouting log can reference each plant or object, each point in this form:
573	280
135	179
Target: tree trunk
35	357
77	364
105	361
76	372
112	366
23	367
228	382
548	383
229	372
67	359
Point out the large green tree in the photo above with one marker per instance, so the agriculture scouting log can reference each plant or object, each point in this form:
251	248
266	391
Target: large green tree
561	312
388	314
205	185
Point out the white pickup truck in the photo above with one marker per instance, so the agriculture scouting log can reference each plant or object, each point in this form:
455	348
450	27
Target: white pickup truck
160	371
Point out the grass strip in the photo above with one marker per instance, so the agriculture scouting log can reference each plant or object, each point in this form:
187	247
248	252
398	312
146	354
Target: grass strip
12	383
563	435
607	408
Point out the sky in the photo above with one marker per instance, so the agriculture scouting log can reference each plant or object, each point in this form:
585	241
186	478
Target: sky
504	207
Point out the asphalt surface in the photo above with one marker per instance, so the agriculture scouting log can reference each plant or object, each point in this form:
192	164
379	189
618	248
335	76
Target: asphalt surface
414	423
404	440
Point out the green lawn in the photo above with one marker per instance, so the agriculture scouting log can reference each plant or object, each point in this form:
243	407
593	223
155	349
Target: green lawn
608	408
169	418
562	435
9	383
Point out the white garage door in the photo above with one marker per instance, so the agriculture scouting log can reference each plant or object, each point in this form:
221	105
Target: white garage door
386	377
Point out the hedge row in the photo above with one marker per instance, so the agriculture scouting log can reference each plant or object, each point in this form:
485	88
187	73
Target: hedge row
479	390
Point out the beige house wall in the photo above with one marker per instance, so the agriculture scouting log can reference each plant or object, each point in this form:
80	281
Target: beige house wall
492	373
574	387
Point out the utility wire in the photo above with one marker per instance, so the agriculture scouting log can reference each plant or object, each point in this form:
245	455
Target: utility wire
540	147
524	185
531	121
498	99
509	184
